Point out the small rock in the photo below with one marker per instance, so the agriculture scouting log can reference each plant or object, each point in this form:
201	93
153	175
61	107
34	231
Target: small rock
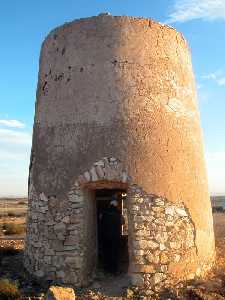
99	163
176	257
159	202
99	171
164	258
66	219
104	14
87	176
124	177
137	279
60	293
152	258
181	212
162	247
94	176
39	273
130	294
169	211
157	278
175	245
43	197
59	227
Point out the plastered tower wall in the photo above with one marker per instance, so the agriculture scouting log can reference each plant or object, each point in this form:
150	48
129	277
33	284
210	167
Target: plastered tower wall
116	103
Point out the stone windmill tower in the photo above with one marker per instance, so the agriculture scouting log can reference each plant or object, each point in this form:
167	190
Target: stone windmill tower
116	113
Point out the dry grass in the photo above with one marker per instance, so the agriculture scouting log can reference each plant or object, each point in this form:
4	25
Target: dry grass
13	207
9	290
13	216
11	228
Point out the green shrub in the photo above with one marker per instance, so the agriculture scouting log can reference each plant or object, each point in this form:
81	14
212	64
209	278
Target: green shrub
10	228
9	290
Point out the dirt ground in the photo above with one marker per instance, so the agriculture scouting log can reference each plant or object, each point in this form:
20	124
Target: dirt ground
106	287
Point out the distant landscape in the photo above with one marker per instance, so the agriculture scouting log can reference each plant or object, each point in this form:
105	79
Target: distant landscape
13	216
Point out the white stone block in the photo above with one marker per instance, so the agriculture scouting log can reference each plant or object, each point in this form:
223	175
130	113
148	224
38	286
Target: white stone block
94	176
181	212
169	210
87	176
43	197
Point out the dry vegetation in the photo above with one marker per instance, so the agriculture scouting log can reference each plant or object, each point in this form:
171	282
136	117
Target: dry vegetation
9	290
13	216
16	283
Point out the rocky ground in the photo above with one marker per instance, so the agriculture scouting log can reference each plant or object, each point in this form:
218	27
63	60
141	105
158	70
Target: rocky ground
106	287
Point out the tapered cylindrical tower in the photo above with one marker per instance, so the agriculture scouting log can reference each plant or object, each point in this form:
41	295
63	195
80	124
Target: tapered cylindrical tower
116	112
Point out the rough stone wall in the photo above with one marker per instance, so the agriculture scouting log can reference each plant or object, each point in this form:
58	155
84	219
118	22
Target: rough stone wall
60	233
162	237
114	87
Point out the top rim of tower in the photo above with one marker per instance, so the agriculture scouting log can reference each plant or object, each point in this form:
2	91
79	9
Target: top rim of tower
148	22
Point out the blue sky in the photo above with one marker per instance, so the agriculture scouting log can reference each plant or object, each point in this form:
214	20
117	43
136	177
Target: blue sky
24	25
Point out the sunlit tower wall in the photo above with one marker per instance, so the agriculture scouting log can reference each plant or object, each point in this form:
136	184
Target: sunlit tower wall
116	105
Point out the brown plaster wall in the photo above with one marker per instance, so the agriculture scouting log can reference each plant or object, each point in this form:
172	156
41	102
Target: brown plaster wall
122	87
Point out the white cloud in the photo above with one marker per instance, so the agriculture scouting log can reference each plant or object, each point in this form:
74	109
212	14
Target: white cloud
203	96
186	10
218	77
14	182
12	123
8	155
15	147
199	86
209	76
216	156
221	81
14	137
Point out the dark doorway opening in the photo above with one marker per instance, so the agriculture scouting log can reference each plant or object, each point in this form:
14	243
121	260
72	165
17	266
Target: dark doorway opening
112	230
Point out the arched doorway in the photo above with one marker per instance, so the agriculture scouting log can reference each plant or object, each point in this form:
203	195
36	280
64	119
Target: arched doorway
107	227
92	192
